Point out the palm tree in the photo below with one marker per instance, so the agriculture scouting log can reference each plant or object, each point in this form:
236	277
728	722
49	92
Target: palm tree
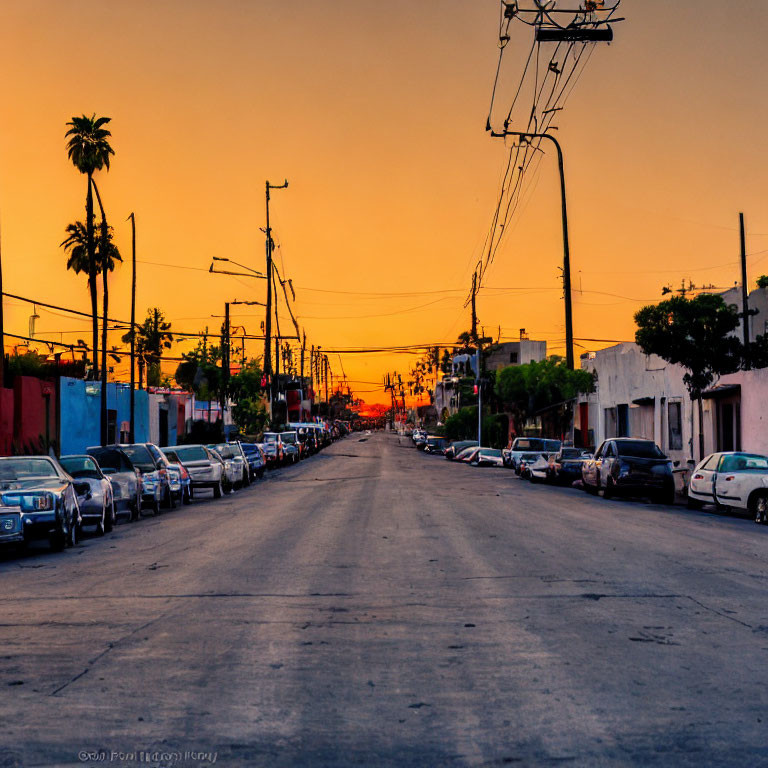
89	150
76	245
152	337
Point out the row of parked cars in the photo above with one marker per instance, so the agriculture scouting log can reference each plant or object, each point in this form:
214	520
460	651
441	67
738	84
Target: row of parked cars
42	497
731	480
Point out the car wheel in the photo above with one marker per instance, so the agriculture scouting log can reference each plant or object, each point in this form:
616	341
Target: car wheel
692	503
760	508
74	535
111	519
260	473
135	511
169	501
228	487
155	507
186	497
101	526
246	477
58	540
218	490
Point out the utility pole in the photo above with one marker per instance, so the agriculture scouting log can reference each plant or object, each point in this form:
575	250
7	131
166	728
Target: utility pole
132	417
268	323
744	292
474	305
303	350
479	395
566	245
326	381
224	365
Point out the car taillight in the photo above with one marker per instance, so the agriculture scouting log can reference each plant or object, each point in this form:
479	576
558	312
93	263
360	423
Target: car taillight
698	476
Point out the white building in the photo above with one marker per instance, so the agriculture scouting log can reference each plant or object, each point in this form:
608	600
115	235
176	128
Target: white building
636	395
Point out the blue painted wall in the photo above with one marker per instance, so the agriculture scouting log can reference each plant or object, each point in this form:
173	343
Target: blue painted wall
80	404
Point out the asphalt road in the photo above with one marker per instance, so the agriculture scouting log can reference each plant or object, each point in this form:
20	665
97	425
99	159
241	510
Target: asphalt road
374	606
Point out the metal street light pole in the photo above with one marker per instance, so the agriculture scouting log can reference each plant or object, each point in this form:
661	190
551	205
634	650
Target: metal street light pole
566	247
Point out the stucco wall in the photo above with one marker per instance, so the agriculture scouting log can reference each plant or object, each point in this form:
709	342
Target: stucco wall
625	375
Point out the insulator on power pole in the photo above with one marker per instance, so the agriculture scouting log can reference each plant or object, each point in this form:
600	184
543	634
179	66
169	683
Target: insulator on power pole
575	34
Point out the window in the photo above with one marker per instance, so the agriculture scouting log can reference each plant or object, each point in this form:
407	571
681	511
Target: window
644	449
513	358
711	462
609	453
622	420
675	418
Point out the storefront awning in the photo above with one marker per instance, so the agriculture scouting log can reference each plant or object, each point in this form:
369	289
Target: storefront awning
644	401
722	390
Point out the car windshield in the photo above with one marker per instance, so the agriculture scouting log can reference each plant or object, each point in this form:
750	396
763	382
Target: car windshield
108	460
530	456
26	469
528	444
744	462
80	466
639	449
571	453
270	437
491	452
225	451
463	453
140	457
190	453
289	437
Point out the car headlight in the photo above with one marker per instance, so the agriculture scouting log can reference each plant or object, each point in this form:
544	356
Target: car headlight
624	469
30	502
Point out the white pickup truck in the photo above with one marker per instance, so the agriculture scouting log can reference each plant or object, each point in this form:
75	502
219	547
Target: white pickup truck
735	480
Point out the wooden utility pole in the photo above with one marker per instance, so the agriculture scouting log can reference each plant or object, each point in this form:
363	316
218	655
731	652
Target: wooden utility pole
268	322
2	327
132	417
474	305
744	291
224	363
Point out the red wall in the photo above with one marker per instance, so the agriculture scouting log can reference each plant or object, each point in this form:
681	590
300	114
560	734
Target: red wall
29	414
6	421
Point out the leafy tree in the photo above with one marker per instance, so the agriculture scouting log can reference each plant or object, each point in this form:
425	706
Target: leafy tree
249	411
527	389
762	281
696	334
89	150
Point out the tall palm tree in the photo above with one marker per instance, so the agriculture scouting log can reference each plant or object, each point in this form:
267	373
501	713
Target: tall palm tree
89	150
76	245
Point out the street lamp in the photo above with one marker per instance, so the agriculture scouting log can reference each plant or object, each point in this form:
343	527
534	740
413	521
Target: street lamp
525	136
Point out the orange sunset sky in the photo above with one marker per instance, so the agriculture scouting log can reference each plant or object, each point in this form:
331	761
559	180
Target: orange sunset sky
375	113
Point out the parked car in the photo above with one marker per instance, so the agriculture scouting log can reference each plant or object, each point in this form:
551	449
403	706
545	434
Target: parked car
454	449
464	454
526	460
521	445
125	479
38	500
420	439
181	480
732	479
436	444
565	465
230	471
155	481
631	466
94	492
292	447
257	461
232	452
205	470
274	449
486	457
538	471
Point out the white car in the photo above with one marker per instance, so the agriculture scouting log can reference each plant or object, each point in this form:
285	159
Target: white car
733	479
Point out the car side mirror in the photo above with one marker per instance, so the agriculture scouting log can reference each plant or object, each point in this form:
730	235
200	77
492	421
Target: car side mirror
676	463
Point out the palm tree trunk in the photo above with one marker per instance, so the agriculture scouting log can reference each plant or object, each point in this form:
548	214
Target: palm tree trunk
701	428
92	276
104	251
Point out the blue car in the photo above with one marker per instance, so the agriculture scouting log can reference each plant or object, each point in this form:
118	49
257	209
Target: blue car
257	462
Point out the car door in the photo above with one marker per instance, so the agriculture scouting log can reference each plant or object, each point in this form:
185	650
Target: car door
702	483
592	467
604	463
732	482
